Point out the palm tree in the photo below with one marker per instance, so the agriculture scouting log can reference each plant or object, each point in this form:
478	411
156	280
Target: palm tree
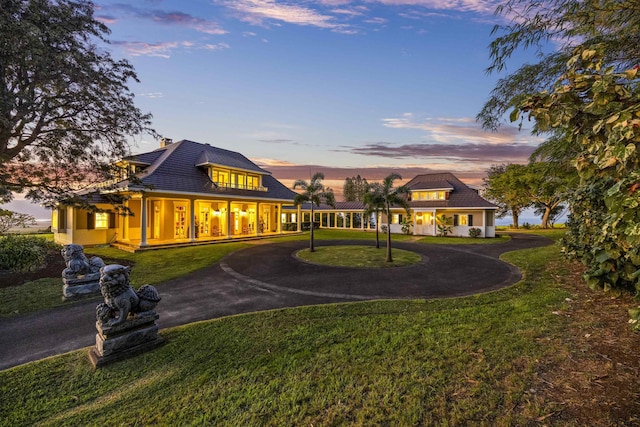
314	192
392	197
374	204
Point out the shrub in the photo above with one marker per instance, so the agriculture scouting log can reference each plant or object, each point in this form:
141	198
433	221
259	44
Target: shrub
444	225
475	232
406	225
24	253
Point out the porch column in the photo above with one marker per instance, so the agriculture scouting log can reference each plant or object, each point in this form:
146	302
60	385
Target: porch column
192	225
484	223
258	219
434	228
143	221
125	221
414	223
299	218
279	218
228	219
351	220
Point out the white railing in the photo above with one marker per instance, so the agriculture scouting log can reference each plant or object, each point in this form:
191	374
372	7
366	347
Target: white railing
241	187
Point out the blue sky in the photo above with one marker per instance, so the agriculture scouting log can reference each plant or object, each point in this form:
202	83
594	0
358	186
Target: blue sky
340	86
344	87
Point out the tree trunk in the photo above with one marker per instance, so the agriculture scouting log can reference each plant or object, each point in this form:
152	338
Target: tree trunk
515	219
311	248
377	231
389	259
545	217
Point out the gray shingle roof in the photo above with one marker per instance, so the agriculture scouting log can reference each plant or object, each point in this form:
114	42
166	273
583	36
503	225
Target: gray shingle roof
173	169
462	196
146	158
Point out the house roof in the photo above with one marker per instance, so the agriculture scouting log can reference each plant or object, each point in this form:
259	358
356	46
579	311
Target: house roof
432	185
177	168
462	196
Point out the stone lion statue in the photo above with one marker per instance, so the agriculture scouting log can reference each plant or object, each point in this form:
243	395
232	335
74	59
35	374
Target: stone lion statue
77	262
120	299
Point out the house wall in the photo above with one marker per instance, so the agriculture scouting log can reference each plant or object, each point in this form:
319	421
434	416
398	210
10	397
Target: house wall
62	233
77	229
479	220
133	220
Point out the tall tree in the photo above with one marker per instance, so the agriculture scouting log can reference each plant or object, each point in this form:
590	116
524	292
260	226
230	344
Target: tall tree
504	185
547	186
392	196
553	29
373	205
354	189
66	111
315	193
586	94
9	220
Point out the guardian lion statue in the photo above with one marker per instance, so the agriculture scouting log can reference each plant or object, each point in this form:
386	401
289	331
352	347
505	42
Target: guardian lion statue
77	262
120	299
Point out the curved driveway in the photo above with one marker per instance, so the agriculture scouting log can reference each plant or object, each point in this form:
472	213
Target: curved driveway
267	276
445	271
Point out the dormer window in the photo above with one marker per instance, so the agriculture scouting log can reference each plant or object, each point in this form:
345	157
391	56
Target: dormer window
227	178
429	195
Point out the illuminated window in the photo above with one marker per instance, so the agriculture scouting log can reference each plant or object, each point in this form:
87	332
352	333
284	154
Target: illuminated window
102	220
220	177
252	182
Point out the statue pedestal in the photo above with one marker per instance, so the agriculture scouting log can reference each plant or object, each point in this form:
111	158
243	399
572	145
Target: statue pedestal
80	287
134	336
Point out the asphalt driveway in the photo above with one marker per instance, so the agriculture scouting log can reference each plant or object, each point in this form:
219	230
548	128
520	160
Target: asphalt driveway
268	276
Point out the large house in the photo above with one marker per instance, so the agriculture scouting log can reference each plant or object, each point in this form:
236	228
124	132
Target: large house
190	193
183	193
430	196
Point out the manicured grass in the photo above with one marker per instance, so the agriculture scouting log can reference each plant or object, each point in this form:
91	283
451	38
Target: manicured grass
465	361
153	267
150	267
32	296
359	256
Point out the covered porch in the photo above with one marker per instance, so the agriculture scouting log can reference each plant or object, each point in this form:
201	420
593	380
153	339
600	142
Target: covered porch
158	220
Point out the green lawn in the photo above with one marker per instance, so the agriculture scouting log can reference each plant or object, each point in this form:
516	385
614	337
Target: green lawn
150	267
359	256
153	267
464	361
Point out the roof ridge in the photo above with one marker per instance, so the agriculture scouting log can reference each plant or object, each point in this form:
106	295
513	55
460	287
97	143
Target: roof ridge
160	160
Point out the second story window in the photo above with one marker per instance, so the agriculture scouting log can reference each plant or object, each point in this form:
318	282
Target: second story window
428	195
233	179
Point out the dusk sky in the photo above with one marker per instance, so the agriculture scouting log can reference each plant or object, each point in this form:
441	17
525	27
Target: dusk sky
344	87
340	86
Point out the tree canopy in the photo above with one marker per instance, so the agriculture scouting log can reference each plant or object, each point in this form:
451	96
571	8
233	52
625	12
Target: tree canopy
66	110
504	185
354	189
315	193
586	96
552	29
